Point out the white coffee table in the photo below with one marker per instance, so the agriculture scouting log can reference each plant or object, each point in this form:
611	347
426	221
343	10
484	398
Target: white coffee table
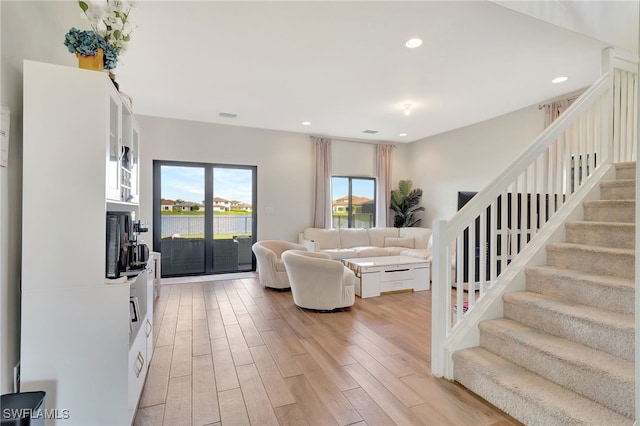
389	274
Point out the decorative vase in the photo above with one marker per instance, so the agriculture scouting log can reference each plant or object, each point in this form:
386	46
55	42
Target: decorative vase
95	62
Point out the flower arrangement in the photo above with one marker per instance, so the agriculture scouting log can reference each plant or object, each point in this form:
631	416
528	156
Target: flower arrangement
111	30
87	43
111	21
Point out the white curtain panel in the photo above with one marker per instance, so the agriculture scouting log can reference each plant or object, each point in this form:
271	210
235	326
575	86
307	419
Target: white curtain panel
322	183
383	170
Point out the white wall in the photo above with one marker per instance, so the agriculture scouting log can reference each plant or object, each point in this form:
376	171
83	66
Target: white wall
284	162
467	159
30	30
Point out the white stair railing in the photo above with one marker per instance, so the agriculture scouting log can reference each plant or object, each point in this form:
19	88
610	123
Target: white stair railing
474	249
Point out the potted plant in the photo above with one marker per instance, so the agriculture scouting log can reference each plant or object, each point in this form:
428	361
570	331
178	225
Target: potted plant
404	203
92	50
110	31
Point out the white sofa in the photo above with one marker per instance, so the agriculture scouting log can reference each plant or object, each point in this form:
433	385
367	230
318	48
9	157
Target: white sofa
373	242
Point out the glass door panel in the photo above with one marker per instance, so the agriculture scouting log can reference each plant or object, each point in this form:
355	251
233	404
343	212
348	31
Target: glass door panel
232	219
182	216
363	206
113	151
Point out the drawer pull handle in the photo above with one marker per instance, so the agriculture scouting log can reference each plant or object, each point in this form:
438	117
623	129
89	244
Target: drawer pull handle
397	270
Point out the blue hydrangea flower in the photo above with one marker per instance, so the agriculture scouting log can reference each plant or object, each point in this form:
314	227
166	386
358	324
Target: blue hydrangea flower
87	43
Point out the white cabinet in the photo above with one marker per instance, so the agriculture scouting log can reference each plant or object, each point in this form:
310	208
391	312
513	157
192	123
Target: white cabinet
76	340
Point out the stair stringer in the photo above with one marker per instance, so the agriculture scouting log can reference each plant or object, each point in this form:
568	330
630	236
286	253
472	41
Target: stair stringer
466	334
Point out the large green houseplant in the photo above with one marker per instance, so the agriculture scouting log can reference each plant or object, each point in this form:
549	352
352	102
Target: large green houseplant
404	204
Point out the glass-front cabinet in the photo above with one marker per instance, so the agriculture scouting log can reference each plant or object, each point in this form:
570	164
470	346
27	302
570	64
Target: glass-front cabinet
113	148
122	154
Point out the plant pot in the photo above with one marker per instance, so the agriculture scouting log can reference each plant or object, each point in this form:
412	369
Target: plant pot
95	62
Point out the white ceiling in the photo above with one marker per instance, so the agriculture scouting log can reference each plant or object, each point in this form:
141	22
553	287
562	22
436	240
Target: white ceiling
343	65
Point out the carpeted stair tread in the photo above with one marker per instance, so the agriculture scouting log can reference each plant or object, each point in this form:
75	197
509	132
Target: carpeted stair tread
595	259
525	395
600	291
600	329
626	170
604	234
620	189
610	210
597	375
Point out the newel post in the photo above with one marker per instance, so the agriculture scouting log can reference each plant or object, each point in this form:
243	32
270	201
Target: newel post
439	306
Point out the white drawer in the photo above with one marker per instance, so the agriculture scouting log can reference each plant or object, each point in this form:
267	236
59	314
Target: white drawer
396	285
396	274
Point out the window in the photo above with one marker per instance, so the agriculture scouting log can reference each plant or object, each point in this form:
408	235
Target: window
206	215
353	202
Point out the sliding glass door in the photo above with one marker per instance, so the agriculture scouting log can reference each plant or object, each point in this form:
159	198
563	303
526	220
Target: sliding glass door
204	217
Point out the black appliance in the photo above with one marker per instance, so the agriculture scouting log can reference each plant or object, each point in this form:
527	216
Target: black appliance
138	251
119	227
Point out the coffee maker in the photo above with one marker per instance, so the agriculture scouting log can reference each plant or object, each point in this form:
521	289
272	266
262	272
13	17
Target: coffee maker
138	251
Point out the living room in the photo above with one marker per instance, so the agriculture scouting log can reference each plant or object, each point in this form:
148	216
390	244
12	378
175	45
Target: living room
463	159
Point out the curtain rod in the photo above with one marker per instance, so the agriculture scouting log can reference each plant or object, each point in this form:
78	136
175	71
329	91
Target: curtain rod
570	99
365	141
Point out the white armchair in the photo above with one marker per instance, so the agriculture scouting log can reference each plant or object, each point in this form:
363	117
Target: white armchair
317	282
271	269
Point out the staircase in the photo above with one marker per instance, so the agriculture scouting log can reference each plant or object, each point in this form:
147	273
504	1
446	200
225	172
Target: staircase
564	351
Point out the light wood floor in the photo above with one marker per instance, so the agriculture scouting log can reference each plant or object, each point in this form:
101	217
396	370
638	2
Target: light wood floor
233	353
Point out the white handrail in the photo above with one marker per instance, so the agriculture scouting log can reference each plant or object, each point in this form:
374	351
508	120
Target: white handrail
473	250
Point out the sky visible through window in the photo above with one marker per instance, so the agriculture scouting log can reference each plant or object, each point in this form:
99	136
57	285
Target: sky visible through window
187	184
360	188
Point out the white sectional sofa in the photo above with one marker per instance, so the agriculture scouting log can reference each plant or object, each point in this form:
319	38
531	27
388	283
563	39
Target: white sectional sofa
373	242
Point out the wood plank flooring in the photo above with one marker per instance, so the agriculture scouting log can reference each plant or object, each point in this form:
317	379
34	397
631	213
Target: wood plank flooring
230	352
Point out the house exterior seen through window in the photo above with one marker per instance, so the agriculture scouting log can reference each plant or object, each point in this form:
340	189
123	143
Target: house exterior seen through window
353	202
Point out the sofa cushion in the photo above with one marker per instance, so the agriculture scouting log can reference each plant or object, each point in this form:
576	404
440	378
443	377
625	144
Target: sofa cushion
354	237
377	235
399	242
419	253
326	238
370	251
420	235
339	254
394	251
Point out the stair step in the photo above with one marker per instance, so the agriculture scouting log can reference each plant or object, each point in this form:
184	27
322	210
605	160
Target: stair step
594	259
623	211
621	189
599	329
626	170
597	375
525	395
604	234
600	291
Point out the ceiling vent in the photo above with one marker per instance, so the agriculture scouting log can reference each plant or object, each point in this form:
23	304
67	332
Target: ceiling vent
228	115
370	132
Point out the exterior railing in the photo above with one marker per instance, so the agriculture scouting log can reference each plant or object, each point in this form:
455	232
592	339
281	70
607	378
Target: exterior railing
194	225
475	248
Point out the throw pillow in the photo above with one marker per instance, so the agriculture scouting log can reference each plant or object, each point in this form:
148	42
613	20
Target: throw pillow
399	242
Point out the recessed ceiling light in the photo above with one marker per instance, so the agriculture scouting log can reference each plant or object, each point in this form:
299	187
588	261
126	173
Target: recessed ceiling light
402	134
560	79
412	43
306	123
407	108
